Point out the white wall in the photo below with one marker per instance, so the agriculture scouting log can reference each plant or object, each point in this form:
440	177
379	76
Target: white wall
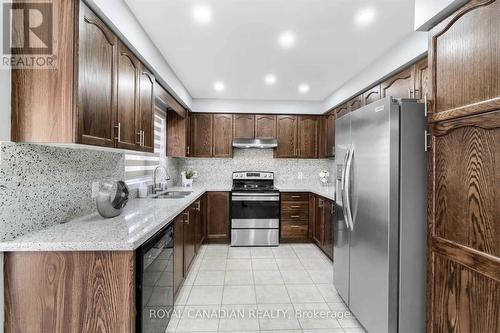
254	106
430	12
118	15
402	54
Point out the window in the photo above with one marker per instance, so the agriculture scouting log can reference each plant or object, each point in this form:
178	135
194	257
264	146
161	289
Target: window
139	167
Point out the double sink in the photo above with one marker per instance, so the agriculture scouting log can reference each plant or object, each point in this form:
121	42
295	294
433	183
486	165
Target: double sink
171	195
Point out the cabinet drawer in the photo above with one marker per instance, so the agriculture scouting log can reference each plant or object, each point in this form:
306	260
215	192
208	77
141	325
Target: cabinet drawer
295	215
293	205
294	230
294	196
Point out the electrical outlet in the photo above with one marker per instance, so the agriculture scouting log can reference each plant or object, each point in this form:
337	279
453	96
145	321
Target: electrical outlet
300	175
95	189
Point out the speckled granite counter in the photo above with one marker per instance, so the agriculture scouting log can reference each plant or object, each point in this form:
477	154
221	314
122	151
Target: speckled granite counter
140	220
327	192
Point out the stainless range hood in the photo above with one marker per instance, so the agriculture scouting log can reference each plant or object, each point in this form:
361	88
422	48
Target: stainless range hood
255	143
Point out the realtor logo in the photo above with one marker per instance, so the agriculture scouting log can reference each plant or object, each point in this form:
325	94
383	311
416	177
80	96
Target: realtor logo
28	35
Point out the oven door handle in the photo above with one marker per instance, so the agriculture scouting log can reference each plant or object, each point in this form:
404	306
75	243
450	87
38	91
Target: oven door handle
253	194
256	198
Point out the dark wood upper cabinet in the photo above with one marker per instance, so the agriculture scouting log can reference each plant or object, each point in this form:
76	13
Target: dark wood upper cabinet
371	95
265	126
286	130
322	137
401	85
243	126
342	110
201	134
98	48
422	82
178	134
146	110
223	135
218	216
308	130
127	99
330	134
355	103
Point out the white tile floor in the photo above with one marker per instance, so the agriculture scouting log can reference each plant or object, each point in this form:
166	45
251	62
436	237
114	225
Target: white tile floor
268	290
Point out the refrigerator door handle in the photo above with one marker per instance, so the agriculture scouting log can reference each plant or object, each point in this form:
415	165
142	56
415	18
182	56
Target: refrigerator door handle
342	187
347	190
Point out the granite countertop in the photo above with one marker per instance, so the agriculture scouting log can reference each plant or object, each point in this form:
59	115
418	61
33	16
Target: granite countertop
140	220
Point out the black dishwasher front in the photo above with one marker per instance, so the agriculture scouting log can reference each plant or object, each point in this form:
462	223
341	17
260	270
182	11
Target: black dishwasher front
155	277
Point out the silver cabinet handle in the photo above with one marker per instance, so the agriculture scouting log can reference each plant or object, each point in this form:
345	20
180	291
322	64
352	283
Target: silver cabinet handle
416	93
426	104
140	138
143	137
295	216
295	196
119	127
187	152
186	217
294	206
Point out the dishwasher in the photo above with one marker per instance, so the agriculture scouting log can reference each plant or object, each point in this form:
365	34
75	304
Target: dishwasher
155	277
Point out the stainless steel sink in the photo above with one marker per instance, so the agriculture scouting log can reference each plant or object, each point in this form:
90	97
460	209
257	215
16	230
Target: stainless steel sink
172	195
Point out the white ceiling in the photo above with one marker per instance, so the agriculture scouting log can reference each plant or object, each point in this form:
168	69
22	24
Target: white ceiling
240	44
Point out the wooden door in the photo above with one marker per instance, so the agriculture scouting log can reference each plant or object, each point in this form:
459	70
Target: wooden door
355	103
127	98
422	83
96	109
265	126
371	95
189	237
308	132
318	232
222	135
178	253
330	134
146	110
401	85
243	126
286	133
328	220
218	216
201	134
463	200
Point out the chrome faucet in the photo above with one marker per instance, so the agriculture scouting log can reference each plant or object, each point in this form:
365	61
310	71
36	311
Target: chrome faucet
162	186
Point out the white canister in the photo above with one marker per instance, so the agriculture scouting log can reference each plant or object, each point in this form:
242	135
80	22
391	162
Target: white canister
143	190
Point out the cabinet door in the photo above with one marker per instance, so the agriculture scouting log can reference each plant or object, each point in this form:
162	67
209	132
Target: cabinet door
127	99
223	135
323	137
286	130
318	232
146	110
189	237
308	136
177	134
265	126
178	253
243	126
355	103
218	216
400	85
198	225
330	134
422	79
98	48
371	95
342	110
328	218
201	134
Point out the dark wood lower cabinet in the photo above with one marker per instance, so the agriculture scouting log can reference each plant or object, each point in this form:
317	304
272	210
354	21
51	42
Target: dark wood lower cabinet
189	237
295	217
178	253
322	222
218	217
61	292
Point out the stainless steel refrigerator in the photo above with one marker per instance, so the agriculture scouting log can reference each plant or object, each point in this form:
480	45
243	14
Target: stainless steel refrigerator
380	228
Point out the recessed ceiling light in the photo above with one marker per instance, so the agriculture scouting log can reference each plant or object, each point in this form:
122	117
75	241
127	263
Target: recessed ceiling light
365	16
304	88
270	79
202	14
219	86
286	39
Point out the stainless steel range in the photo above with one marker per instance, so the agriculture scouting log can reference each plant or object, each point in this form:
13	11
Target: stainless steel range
255	209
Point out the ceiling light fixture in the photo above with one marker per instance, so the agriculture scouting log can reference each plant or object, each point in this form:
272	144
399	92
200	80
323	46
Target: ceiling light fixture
202	14
219	86
270	79
286	39
365	16
304	88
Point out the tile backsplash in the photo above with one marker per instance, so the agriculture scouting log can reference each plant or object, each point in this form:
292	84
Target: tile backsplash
44	185
288	172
